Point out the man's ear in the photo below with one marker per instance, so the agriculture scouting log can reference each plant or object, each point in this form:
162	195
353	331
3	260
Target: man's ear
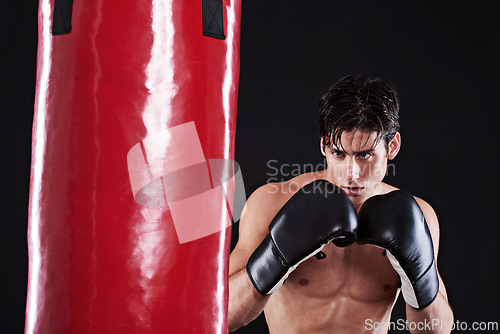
321	147
394	146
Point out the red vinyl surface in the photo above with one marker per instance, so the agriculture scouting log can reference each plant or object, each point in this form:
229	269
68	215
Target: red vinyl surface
134	91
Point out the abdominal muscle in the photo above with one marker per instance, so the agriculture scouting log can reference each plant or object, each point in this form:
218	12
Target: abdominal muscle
342	293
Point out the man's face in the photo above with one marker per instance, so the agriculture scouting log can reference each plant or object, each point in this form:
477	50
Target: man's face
359	164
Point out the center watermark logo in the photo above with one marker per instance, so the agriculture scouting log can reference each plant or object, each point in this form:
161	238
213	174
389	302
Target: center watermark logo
169	169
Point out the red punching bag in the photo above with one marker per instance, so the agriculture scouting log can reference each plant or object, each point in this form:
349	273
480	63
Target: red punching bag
132	181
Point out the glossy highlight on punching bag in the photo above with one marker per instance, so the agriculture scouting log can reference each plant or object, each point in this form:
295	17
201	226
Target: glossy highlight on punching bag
103	260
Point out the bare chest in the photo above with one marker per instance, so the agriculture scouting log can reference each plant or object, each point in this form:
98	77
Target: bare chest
344	289
359	272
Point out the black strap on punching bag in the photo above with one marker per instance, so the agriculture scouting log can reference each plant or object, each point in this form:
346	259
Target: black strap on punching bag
213	21
61	23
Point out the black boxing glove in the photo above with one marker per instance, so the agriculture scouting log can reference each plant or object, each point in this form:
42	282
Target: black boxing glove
318	213
395	222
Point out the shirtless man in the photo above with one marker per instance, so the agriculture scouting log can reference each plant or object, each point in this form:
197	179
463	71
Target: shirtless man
349	289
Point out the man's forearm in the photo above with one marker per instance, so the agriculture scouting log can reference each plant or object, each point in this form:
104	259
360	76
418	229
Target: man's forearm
245	303
435	318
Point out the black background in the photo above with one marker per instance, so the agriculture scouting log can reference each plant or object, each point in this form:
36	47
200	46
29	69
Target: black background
441	56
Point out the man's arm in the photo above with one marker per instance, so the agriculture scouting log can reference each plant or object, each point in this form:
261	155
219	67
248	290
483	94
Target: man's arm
439	311
245	303
408	229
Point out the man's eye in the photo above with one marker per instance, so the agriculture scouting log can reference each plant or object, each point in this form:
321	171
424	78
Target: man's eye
337	154
365	155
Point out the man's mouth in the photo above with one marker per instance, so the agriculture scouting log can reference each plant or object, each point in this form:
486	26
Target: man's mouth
353	191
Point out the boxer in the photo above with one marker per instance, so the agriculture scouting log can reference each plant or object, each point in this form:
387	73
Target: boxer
284	263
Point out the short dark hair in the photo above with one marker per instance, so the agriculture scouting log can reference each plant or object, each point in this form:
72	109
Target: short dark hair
359	103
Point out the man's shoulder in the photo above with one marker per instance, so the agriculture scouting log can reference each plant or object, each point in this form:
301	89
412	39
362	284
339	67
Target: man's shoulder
277	191
424	206
272	196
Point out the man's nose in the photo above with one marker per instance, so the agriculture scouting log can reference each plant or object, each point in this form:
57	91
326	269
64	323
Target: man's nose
352	169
